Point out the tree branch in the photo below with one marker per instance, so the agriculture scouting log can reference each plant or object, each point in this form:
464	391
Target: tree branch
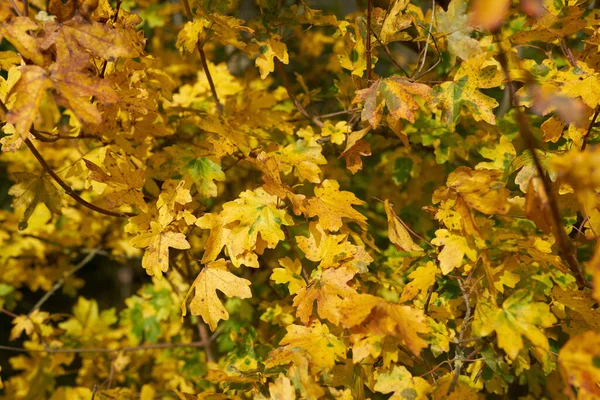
101	350
369	48
590	127
566	249
68	189
90	256
200	48
288	88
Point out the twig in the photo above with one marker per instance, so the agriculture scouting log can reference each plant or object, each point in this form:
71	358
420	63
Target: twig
564	243
389	54
26	8
458	363
68	189
369	49
200	48
428	298
9	313
437	49
418	71
288	88
16	8
100	350
61	281
205	339
62	183
589	130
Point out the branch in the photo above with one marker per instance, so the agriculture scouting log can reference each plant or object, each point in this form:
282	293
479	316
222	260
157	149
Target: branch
589	130
566	249
99	350
458	363
19	13
25	8
200	48
429	35
386	49
369	65
288	88
205	338
68	189
61	281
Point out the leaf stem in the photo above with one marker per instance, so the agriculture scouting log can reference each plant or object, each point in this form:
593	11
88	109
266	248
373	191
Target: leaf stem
26	8
204	63
288	88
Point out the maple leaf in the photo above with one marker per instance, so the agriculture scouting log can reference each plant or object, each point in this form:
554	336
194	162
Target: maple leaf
454	24
454	251
482	190
395	92
87	321
489	14
123	183
578	360
31	191
304	157
378	317
478	72
215	276
422	279
355	148
395	21
402	384
519	316
328	289
321	347
189	36
397	232
171	195
290	274
157	241
28	324
30	91
239	225
332	250
331	205
269	49
204	171
16	31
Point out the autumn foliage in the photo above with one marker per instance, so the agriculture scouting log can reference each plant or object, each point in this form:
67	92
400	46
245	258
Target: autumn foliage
376	199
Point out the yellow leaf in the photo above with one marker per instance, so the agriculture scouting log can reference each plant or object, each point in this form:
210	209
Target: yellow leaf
282	389
454	251
454	25
246	225
422	279
290	274
379	317
215	276
332	250
395	21
123	183
463	390
331	205
321	347
171	195
30	91
31	191
304	157
157	242
17	33
188	37
270	49
397	232
579	364
328	289
402	384
518	317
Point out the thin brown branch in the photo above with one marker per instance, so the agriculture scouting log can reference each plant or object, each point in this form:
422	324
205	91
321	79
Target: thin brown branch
429	35
205	338
565	247
200	48
288	88
590	127
102	350
26	8
9	313
459	354
86	260
386	50
369	48
19	13
68	189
